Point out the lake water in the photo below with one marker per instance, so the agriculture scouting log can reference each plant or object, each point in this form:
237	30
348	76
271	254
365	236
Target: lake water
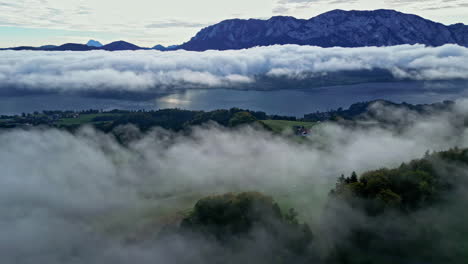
285	102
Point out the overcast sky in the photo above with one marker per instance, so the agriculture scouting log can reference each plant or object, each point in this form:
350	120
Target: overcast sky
150	22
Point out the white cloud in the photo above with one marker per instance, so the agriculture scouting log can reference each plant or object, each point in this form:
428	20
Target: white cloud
150	22
154	70
429	4
293	6
144	22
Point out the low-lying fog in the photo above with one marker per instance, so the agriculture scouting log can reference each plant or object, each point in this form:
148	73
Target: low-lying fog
60	192
139	71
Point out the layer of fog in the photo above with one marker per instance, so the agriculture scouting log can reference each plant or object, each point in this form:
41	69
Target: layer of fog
59	191
138	71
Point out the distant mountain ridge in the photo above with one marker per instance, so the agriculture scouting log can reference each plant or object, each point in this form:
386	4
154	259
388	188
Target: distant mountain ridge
335	28
164	48
114	46
94	43
120	45
72	47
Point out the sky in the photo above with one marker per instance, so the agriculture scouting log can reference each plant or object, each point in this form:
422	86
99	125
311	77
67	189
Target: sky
150	22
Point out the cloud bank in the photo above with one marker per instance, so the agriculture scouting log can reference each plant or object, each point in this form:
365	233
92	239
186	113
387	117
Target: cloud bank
75	198
137	71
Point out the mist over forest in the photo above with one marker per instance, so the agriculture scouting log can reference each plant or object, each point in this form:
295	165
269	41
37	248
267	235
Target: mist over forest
131	195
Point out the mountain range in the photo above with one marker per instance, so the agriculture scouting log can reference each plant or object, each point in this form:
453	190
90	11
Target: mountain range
335	28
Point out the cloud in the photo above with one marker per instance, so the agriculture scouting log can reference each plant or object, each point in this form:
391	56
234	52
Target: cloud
288	6
139	71
428	5
144	22
78	198
176	24
130	20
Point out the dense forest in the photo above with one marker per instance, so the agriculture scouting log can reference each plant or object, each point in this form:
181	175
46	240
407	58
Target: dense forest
411	214
179	119
172	119
414	213
363	110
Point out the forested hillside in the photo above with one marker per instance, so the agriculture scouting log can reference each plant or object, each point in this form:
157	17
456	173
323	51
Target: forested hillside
410	214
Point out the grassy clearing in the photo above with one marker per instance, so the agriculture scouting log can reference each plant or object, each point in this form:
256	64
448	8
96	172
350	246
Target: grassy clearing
148	217
279	126
83	119
152	214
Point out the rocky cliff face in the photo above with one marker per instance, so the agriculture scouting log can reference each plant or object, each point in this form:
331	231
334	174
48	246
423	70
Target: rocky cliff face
334	28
